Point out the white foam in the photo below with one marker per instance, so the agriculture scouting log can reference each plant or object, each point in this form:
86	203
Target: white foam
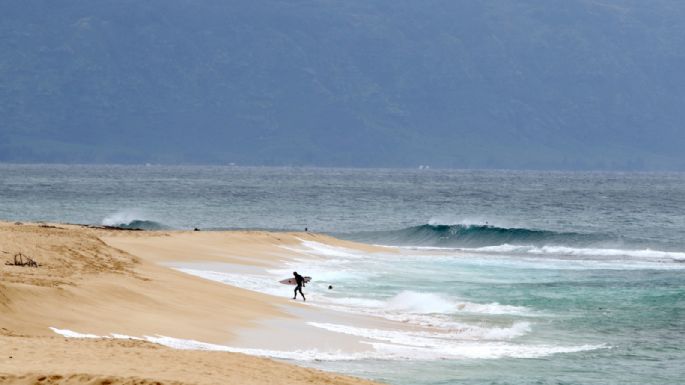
414	347
504	248
324	250
407	308
429	303
493	350
460	332
431	346
645	253
123	217
559	257
124	337
572	251
187	344
71	334
518	329
421	303
328	270
259	283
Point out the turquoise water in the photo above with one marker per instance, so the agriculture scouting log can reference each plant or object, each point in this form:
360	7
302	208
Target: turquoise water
636	316
541	278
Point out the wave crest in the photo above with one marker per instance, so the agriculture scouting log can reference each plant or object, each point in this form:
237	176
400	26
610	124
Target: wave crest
431	303
132	220
465	235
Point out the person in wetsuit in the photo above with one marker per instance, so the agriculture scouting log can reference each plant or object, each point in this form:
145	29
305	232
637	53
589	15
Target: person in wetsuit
299	280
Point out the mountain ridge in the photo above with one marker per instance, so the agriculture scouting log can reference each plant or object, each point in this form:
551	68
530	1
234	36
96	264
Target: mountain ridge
533	84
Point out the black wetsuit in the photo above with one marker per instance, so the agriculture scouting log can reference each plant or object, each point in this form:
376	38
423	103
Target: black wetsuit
300	283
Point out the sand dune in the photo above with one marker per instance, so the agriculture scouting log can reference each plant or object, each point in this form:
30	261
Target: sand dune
84	284
104	281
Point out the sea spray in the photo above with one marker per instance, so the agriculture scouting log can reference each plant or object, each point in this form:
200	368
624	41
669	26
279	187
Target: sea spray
132	219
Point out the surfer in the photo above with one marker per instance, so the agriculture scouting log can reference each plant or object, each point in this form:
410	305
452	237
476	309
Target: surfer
299	280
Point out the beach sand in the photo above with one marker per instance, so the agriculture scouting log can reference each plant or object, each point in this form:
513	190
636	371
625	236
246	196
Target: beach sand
103	281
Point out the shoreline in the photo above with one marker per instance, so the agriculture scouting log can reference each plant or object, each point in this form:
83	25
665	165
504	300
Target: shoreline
103	281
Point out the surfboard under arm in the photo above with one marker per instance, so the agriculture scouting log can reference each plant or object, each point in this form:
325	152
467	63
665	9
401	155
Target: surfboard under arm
292	281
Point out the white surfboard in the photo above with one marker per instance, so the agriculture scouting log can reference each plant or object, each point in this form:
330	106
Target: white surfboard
291	281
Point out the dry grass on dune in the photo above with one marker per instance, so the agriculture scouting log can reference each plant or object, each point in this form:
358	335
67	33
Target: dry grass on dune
65	255
84	284
78	379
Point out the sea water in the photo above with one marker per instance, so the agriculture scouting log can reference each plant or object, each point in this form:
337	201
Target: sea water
519	277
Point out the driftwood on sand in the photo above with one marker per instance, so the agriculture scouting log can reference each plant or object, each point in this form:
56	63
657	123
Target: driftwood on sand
22	260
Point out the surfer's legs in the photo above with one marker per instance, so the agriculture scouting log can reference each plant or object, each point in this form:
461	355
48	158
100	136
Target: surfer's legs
299	288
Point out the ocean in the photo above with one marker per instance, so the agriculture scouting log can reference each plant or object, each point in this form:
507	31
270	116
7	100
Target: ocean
526	277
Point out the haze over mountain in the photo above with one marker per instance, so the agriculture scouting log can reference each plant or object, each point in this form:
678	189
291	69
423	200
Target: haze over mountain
541	84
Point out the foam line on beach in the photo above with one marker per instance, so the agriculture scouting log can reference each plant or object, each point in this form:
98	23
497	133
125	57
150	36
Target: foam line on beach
398	348
648	254
426	338
189	344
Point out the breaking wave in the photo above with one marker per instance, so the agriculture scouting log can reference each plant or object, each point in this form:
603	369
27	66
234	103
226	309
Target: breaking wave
132	220
478	236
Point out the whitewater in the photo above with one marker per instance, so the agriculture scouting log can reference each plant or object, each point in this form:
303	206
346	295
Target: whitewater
506	277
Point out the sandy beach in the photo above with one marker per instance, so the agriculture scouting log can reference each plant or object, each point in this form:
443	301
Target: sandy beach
104	282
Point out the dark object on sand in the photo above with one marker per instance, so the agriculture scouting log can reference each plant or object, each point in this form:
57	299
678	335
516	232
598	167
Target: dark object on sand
22	260
49	226
196	229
